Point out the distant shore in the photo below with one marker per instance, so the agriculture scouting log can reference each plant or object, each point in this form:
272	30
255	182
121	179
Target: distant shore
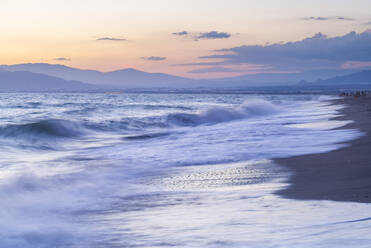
340	175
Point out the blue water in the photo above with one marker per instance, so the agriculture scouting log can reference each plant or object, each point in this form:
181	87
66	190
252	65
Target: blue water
167	170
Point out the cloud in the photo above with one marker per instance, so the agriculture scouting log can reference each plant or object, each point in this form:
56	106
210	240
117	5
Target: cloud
62	59
314	52
110	39
214	35
209	63
180	33
319	18
344	18
154	58
356	65
328	18
211	35
215	69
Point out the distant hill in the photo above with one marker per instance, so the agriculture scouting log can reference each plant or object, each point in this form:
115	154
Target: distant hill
126	78
283	79
131	78
363	77
46	77
28	81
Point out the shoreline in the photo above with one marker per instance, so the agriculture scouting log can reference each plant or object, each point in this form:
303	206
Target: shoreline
340	175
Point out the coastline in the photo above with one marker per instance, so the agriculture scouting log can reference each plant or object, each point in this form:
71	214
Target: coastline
340	175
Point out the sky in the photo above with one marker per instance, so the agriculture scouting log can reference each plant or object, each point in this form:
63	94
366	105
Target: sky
191	38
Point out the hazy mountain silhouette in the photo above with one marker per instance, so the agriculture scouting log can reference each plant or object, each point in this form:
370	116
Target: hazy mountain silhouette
126	78
59	77
131	78
284	79
363	77
28	81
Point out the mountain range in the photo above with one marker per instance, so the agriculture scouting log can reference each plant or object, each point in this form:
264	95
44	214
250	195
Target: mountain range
121	79
36	82
55	77
359	78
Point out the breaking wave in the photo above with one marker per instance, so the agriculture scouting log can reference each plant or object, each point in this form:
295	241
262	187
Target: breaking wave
59	128
215	115
44	128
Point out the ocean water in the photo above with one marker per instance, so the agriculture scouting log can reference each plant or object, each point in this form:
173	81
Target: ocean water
167	170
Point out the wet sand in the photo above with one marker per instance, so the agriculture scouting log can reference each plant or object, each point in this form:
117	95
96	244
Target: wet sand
340	175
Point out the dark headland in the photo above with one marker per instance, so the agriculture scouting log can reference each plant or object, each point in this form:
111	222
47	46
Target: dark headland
340	175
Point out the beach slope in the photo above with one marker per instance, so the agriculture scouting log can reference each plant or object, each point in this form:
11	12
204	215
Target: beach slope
340	175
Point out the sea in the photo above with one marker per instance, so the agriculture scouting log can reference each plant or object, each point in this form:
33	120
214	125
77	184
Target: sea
167	170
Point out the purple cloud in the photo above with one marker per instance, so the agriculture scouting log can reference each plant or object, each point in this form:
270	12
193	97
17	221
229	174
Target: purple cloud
62	59
180	33
215	69
211	35
318	51
110	39
329	18
154	58
214	35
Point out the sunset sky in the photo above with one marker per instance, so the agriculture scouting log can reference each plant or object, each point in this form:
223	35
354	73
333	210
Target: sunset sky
180	36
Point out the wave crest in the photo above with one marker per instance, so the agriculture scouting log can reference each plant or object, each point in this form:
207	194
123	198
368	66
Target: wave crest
44	128
248	109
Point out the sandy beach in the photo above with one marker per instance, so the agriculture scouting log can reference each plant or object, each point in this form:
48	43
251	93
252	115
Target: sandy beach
340	175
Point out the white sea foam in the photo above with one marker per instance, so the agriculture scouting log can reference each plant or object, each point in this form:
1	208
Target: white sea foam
248	109
197	175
